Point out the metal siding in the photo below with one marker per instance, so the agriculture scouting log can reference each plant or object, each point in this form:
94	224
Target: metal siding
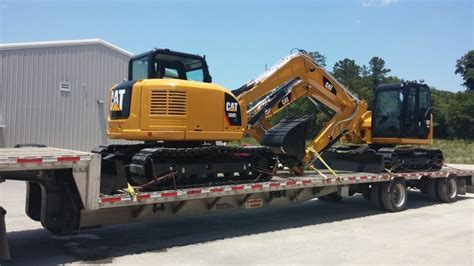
36	111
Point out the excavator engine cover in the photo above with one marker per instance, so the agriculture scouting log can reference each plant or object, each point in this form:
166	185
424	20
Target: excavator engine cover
287	138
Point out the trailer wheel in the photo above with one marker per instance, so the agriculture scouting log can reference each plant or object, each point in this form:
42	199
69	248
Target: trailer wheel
394	195
33	200
333	197
323	198
366	195
447	189
375	199
432	189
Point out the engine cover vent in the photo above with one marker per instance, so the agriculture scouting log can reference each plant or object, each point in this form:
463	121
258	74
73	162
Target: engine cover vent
166	102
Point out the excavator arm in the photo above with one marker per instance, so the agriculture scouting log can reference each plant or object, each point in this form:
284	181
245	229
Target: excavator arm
294	77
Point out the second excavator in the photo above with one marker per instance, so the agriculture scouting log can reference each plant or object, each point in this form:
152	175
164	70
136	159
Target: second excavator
171	106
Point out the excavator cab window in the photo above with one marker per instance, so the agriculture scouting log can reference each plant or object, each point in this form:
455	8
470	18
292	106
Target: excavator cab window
163	63
402	111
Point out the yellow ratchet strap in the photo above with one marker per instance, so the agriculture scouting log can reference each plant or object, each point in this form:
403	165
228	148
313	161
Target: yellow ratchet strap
131	190
311	149
316	169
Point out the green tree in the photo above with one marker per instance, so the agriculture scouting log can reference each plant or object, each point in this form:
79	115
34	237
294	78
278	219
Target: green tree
460	122
465	67
318	58
364	71
442	102
392	79
377	71
347	72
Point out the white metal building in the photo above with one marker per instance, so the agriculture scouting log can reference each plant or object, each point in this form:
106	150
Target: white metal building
55	93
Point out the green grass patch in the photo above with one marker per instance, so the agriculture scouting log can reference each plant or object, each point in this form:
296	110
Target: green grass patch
456	151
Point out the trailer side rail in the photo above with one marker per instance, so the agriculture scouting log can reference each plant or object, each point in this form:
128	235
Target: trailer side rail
284	182
34	158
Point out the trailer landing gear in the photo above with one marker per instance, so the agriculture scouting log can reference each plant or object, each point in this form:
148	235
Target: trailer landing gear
4	248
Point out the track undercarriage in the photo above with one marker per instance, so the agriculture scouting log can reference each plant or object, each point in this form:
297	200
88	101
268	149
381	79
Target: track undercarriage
158	167
153	167
382	159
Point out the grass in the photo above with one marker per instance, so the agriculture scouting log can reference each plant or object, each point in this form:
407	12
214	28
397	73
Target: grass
455	151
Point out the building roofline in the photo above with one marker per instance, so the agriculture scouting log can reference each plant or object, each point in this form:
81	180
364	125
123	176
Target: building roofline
26	45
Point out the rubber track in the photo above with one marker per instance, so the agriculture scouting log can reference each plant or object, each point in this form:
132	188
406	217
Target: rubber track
208	155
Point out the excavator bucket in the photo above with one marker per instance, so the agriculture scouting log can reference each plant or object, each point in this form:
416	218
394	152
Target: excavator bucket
287	138
4	248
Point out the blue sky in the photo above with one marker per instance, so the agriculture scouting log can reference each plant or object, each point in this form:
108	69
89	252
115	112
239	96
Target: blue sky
417	39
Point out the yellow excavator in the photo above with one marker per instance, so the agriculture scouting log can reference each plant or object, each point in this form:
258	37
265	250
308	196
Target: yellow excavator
171	106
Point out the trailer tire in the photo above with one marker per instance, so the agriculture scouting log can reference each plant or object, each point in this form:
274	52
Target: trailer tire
323	198
394	195
432	189
375	198
366	195
33	200
61	203
333	197
447	189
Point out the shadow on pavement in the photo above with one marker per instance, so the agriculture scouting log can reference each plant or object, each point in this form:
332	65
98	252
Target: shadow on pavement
102	244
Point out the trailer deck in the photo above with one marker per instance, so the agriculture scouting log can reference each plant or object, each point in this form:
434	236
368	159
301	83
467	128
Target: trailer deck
87	166
129	205
283	181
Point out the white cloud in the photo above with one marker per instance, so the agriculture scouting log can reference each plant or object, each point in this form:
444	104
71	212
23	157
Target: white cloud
378	3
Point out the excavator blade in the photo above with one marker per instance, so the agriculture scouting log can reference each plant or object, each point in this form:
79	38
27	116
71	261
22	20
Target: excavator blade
4	249
287	140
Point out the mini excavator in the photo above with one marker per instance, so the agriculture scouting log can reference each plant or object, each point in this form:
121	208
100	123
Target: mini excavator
170	105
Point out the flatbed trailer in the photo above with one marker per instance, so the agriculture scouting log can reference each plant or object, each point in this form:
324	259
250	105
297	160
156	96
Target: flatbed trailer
63	191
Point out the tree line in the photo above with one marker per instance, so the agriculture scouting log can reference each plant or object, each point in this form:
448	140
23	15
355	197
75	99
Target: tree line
453	111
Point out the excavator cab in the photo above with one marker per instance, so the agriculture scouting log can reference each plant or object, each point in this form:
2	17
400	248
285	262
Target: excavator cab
164	63
402	114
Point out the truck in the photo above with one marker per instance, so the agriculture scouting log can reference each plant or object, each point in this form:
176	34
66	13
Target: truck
182	165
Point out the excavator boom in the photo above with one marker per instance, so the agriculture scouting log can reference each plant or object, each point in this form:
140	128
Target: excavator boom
294	77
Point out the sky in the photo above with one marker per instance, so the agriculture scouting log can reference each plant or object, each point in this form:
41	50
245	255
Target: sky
418	39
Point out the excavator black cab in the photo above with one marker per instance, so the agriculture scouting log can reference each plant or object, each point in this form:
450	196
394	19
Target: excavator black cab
402	111
165	63
402	115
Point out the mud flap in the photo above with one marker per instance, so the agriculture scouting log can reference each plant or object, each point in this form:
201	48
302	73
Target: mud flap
287	138
4	248
355	162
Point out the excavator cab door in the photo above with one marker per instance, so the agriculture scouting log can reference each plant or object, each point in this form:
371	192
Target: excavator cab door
402	111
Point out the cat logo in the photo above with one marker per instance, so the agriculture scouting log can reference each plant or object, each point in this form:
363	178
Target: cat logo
231	107
328	85
117	100
232	111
